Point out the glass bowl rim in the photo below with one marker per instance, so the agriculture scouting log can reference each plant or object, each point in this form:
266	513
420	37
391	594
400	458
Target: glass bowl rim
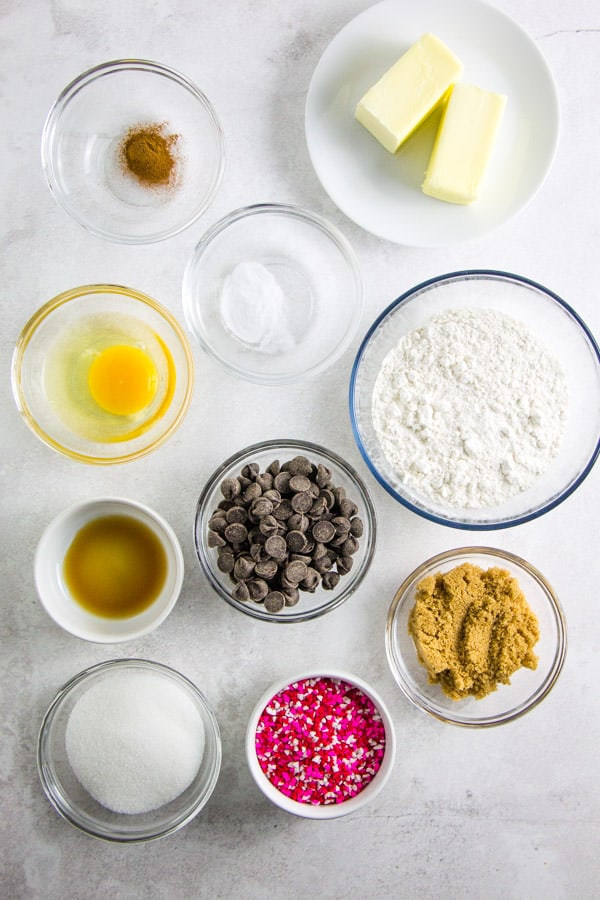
73	88
60	300
420	702
286	210
468	274
90	674
256	611
322	811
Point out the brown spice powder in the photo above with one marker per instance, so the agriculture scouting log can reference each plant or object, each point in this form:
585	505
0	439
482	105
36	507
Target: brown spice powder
473	629
148	153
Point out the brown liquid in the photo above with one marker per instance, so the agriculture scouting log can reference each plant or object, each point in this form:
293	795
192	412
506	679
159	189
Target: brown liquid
115	567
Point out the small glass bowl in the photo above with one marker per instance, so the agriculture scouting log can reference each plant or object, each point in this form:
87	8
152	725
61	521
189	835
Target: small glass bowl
548	318
527	688
72	801
332	810
310	605
69	327
306	278
54	593
81	146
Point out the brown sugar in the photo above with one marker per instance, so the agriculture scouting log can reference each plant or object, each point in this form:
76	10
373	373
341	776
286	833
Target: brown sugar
473	629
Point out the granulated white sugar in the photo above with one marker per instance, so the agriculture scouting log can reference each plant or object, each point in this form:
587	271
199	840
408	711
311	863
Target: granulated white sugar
135	740
470	408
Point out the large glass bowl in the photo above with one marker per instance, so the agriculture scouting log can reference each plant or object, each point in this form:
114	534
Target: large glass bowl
71	799
510	701
273	293
310	605
82	140
51	364
553	323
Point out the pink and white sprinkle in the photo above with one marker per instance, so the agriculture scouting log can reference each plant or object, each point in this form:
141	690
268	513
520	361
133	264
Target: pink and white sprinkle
320	740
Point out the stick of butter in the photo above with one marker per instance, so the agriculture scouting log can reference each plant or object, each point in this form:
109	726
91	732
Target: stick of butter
464	144
406	94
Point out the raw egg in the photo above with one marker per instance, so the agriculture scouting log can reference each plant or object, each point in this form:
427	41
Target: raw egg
123	380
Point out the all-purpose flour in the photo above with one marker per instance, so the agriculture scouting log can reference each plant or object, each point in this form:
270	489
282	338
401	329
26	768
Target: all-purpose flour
470	409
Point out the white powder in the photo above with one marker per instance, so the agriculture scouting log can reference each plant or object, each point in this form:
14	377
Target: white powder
253	309
470	409
135	741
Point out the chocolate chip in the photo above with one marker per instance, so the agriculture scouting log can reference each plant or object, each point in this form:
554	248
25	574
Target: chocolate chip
342	524
243	568
292	595
330	580
318	508
265	480
357	527
284	510
344	564
214	539
268	525
323	531
251	470
225	561
299	483
258	589
253	491
230	488
274	468
267	568
281	482
349	546
241	592
301	502
236	514
328	497
323	476
298	522
217	523
296	571
322	564
300	465
274	601
236	533
276	547
311	581
296	541
261	507
348	508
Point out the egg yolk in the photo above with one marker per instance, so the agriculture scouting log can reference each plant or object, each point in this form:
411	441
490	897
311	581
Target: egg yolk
123	380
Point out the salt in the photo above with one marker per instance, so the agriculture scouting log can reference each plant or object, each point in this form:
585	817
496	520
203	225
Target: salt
253	309
135	741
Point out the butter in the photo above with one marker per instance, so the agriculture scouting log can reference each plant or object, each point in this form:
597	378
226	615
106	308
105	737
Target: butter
463	144
406	94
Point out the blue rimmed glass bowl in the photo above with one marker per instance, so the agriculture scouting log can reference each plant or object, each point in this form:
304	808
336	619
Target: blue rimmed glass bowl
554	323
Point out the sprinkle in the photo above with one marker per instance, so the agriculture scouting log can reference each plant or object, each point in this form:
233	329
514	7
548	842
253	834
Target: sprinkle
320	741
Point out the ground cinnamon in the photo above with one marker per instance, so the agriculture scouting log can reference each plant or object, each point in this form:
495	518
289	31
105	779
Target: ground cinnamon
148	153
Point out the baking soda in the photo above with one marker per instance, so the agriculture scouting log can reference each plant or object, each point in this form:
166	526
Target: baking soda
135	741
470	409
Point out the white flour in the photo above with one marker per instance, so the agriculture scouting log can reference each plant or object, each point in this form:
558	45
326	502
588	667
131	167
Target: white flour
470	409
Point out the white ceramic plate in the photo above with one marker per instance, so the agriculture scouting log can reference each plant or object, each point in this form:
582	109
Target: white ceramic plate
382	192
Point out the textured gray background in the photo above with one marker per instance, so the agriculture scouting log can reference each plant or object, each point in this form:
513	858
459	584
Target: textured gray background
510	812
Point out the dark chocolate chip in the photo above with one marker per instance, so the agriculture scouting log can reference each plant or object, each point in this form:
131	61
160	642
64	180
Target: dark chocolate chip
251	470
225	561
258	589
241	592
261	507
214	539
323	476
299	483
357	527
267	568
296	541
281	482
243	568
349	546
276	547
330	580
323	531
292	595
230	488
296	571
284	510
274	601
236	533
236	514
301	502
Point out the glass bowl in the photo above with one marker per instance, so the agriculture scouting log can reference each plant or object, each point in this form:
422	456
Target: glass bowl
309	605
273	293
72	800
527	687
53	359
54	591
322	811
552	323
82	151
